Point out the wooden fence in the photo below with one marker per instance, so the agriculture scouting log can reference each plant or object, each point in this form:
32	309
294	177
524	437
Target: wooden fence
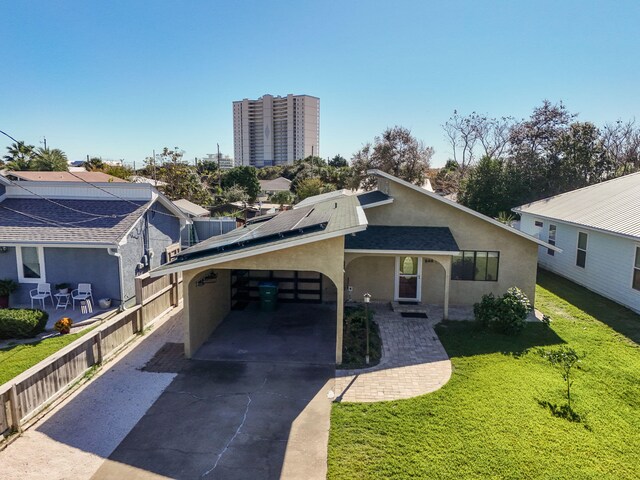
33	390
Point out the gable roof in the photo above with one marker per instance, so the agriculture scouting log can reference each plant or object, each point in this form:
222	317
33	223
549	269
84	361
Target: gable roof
277	184
612	206
287	229
479	215
191	208
402	239
92	177
87	222
323	197
373	199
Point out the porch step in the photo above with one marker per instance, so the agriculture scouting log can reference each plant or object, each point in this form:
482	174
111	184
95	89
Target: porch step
409	308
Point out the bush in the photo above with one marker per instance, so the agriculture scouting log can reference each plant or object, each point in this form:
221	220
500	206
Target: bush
506	314
354	345
21	323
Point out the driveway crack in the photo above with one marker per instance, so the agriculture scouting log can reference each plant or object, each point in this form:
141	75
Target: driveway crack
233	437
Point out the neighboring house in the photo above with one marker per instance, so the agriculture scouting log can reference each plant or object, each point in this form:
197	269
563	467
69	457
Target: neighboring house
398	243
102	233
598	230
150	181
80	176
269	187
203	226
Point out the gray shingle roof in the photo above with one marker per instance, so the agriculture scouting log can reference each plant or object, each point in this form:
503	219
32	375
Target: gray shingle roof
399	239
35	220
369	198
277	184
613	206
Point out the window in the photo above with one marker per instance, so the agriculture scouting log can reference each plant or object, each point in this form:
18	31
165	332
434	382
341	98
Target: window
477	266
636	271
552	239
30	265
581	257
538	223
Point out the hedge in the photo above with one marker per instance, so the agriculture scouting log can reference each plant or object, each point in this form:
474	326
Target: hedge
22	322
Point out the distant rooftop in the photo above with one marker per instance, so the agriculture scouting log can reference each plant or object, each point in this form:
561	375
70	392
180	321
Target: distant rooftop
91	177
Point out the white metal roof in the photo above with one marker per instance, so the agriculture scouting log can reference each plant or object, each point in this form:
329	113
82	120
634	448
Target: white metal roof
323	197
191	208
612	206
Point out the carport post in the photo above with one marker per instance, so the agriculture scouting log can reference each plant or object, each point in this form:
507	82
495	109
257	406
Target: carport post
339	320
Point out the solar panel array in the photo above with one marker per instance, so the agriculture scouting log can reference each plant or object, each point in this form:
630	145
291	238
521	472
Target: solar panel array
284	224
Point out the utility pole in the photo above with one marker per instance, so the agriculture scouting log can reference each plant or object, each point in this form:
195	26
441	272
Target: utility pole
45	142
219	171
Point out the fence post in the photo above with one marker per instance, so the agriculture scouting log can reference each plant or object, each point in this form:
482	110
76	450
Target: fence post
99	345
140	301
15	409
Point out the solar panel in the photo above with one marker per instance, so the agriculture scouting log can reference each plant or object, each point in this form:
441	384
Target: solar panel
287	223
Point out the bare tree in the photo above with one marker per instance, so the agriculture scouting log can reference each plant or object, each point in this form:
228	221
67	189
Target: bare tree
621	143
475	135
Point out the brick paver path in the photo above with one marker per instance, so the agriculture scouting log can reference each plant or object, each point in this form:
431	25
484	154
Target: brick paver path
413	362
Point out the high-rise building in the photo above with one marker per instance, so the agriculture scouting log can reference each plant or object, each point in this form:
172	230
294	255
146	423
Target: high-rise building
276	130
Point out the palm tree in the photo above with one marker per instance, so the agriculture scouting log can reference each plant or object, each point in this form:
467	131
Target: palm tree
19	156
47	160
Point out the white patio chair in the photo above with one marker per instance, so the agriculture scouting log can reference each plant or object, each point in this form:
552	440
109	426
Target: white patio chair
83	292
41	293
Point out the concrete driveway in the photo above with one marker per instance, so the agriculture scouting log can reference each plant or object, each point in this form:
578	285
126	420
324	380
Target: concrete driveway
253	404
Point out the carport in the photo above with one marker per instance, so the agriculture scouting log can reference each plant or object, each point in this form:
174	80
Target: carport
297	243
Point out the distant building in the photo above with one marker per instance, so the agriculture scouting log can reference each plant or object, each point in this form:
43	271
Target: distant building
276	130
226	162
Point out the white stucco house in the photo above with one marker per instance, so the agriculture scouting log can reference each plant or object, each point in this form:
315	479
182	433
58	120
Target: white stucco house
598	230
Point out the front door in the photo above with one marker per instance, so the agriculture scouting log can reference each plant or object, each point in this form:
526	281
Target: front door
408	279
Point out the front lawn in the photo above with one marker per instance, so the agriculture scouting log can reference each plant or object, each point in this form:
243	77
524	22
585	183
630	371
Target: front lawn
18	358
487	422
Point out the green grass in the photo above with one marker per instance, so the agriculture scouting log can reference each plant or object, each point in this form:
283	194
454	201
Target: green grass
487	421
18	358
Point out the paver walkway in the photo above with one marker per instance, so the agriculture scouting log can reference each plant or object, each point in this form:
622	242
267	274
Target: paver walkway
413	362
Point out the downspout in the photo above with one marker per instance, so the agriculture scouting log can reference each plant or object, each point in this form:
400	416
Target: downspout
115	252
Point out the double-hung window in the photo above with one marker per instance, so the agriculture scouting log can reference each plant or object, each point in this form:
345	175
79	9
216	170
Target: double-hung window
636	271
581	254
30	265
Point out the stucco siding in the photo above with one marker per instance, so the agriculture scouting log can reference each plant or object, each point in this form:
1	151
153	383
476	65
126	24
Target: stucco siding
518	256
205	306
609	261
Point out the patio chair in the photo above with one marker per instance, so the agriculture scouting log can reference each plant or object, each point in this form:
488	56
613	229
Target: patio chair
83	292
41	293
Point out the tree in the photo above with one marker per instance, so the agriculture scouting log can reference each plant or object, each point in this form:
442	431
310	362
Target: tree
47	160
245	177
94	164
281	198
581	158
565	358
310	187
621	145
338	161
120	171
484	189
396	152
182	180
235	193
19	156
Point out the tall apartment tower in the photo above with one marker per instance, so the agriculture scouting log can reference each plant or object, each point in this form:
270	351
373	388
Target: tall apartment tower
276	130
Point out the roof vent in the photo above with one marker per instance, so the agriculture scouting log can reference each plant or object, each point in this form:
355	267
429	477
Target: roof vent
335	205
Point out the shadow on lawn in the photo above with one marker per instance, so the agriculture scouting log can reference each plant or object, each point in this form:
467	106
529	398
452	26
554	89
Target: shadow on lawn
619	318
465	339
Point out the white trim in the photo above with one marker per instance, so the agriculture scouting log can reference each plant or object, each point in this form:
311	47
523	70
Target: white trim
31	243
377	204
578	225
463	208
578	249
396	283
362	217
205	262
401	252
43	272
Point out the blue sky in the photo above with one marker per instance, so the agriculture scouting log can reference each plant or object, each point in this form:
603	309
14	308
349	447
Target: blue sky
118	79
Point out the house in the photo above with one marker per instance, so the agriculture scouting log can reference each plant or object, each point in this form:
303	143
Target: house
398	243
60	230
81	176
191	209
269	187
203	225
598	230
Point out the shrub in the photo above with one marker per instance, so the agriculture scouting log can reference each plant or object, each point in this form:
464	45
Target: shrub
506	314
21	323
63	325
354	344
